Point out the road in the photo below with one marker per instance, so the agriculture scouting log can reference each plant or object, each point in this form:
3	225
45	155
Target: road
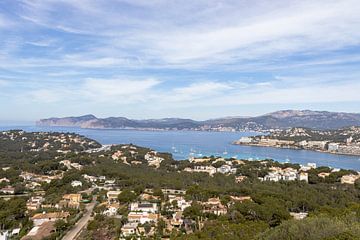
74	232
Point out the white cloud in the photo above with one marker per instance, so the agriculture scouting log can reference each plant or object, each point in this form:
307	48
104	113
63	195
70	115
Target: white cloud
5	23
105	90
119	91
3	82
245	31
297	27
205	52
203	88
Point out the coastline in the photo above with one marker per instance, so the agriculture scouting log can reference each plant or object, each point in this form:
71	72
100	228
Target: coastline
153	129
296	148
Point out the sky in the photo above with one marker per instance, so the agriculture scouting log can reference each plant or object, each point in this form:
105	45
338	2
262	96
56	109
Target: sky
191	59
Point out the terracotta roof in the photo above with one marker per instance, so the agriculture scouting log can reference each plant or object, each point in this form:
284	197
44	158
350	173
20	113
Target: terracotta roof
40	232
51	215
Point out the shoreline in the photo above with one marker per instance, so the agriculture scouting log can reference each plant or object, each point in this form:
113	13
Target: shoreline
296	148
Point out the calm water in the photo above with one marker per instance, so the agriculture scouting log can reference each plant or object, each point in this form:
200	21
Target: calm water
183	143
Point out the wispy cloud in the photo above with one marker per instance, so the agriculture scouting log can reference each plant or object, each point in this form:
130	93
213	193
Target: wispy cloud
119	91
179	54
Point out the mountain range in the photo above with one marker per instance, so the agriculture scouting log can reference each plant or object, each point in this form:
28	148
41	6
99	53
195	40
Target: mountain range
276	120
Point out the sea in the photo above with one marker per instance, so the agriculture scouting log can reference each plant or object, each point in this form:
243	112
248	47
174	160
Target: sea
185	144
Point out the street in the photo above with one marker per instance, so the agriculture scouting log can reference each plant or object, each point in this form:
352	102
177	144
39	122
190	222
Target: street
73	233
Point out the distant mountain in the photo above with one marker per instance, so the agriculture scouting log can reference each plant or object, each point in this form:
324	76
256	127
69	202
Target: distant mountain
90	121
280	119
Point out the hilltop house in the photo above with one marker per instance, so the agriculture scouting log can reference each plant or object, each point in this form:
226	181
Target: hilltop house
34	203
214	206
40	218
203	169
144	207
349	179
76	183
128	230
142	217
70	201
226	169
111	209
40	232
113	195
177	219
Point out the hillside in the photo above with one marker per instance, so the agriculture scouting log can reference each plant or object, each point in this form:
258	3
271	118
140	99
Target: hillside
276	120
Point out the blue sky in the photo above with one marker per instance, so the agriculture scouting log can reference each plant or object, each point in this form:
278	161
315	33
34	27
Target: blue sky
194	59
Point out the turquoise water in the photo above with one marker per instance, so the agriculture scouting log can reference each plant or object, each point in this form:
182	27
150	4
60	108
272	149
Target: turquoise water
182	144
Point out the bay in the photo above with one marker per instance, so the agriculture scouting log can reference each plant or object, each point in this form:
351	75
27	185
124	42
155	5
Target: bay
183	144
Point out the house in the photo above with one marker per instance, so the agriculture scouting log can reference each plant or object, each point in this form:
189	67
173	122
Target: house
272	176
349	179
312	165
33	185
317	144
8	190
66	163
205	169
240	199
226	169
34	203
128	230
90	178
199	160
303	143
147	197
303	176
307	167
9	234
177	219
40	232
323	174
4	180
142	217
239	179
214	206
113	195
71	201
152	159
77	166
144	207
287	174
244	140
110	182
40	218
173	191
111	209
299	216
76	183
333	147
180	201
116	155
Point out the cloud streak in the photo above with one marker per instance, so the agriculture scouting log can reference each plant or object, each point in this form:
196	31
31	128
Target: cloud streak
179	54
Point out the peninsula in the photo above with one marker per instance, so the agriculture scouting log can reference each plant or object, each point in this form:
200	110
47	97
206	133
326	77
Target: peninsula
268	122
340	141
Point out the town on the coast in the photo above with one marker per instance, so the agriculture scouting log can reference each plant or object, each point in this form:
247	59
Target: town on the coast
341	141
66	186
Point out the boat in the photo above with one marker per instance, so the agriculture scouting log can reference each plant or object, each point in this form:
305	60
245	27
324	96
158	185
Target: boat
225	152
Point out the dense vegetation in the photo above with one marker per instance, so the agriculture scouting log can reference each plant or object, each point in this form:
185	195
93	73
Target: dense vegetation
334	208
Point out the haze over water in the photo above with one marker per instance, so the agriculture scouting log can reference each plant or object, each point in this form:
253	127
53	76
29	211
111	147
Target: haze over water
183	144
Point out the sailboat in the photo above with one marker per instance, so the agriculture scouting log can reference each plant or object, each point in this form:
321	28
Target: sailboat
225	152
